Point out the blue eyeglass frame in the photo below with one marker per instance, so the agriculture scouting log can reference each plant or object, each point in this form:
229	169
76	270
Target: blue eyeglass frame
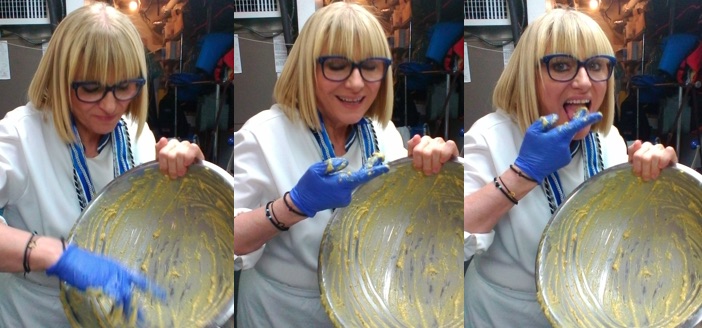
612	62
77	84
322	59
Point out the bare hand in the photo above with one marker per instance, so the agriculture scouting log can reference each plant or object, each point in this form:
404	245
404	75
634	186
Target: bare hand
175	156
429	155
648	159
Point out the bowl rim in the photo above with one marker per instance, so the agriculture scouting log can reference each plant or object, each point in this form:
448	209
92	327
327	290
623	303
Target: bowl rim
693	320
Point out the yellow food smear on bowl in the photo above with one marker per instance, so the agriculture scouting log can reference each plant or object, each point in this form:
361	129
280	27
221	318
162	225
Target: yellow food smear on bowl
178	233
637	258
391	258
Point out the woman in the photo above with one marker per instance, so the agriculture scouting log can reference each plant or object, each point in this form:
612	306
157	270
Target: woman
334	103
83	126
525	153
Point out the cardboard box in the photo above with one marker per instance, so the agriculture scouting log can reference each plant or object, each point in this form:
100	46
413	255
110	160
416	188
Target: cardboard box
636	24
639	25
406	12
397	17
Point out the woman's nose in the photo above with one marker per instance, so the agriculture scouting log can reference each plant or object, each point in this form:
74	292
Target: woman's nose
582	79
109	103
355	80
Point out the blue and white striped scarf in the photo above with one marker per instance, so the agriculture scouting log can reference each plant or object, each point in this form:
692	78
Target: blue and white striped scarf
122	159
363	129
592	160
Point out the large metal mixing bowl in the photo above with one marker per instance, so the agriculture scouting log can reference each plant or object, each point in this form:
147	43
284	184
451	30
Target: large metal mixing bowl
393	258
621	252
177	232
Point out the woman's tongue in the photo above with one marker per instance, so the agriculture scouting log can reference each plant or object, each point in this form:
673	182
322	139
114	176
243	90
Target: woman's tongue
572	109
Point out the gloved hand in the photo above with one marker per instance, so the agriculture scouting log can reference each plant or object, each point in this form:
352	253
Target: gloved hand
82	270
546	149
326	186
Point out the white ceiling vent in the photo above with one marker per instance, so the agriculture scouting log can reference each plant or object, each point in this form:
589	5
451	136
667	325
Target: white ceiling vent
485	13
23	12
256	8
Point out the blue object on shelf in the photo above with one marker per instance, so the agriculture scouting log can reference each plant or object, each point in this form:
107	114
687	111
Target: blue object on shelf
415	79
187	89
650	93
214	46
675	48
442	37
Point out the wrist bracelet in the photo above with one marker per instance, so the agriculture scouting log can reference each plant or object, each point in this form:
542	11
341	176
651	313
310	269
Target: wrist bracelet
513	195
31	243
509	196
271	217
290	208
521	174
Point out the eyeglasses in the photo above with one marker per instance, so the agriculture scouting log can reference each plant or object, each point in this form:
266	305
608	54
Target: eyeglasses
338	68
92	92
564	68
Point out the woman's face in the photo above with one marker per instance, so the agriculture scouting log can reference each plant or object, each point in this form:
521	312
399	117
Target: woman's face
565	98
97	118
346	102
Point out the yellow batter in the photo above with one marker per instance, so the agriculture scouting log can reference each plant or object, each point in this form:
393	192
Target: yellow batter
179	234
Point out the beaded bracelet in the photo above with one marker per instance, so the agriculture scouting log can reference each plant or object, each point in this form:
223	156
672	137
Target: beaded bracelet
31	243
509	195
290	208
274	221
514	196
521	174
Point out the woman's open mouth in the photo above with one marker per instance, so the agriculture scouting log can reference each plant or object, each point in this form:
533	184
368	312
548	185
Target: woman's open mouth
571	107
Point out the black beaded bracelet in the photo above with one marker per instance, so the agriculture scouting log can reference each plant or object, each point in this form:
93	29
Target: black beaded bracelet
271	217
504	192
290	208
31	243
521	174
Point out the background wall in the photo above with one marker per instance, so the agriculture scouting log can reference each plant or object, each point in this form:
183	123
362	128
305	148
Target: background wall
253	88
486	63
24	58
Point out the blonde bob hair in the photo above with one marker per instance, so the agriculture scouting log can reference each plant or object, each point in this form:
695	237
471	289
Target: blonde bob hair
564	31
343	29
93	43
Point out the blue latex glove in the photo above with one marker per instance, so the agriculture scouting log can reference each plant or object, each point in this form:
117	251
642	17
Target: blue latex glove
545	148
326	186
82	270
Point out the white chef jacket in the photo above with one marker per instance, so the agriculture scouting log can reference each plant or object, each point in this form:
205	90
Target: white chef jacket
38	194
270	155
500	287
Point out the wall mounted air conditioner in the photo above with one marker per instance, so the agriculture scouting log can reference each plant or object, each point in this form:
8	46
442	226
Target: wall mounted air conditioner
24	12
256	9
34	12
485	13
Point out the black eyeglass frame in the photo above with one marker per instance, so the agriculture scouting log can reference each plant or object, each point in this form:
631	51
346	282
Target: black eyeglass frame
386	64
612	62
77	84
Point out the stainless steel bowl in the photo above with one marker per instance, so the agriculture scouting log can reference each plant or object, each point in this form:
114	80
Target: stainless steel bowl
393	258
177	232
621	252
